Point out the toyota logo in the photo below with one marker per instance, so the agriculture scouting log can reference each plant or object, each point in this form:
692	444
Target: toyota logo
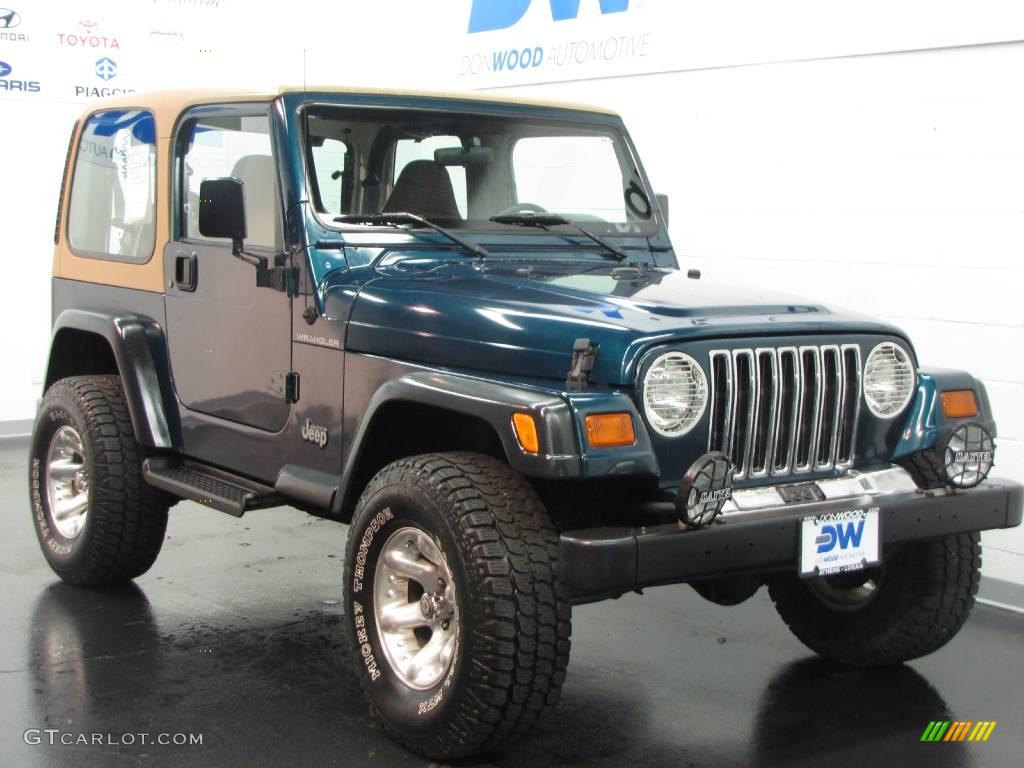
9	19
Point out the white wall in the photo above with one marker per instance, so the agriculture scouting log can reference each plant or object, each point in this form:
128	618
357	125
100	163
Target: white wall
801	146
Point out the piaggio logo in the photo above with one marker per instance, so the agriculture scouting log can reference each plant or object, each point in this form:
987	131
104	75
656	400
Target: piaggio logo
106	69
959	730
87	36
488	15
844	535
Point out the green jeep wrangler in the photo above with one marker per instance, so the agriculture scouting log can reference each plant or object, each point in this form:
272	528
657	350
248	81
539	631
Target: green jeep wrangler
458	325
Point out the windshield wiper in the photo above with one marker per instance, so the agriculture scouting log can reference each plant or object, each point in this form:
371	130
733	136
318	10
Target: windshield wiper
397	219
545	220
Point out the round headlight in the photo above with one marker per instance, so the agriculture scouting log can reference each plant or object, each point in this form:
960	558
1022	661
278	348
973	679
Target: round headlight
888	380
675	394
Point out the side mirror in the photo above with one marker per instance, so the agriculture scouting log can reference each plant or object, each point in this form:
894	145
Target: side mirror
222	210
663	204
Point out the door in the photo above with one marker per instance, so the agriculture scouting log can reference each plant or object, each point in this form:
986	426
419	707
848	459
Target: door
229	340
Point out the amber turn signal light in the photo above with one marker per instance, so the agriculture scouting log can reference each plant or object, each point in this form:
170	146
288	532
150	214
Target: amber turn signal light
959	404
610	430
526	432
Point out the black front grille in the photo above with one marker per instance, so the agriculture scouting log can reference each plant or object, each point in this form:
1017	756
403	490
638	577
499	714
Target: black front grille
792	410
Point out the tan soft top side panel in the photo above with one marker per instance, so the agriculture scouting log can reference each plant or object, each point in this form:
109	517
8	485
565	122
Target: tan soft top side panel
148	276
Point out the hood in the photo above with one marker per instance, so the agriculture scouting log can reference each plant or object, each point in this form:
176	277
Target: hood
521	318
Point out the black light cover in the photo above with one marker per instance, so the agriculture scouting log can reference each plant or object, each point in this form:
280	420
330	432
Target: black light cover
967	455
705	489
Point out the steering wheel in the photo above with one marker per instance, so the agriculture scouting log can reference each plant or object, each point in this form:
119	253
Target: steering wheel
522	208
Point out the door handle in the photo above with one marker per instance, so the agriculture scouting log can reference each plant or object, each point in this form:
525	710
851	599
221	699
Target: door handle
186	271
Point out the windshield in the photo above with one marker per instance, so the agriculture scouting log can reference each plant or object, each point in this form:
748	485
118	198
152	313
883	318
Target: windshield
460	171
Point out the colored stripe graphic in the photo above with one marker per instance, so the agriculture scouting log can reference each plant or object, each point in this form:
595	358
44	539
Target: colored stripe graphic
982	731
959	730
935	730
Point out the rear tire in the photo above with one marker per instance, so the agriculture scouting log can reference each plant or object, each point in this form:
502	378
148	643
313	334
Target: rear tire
908	607
501	628
98	522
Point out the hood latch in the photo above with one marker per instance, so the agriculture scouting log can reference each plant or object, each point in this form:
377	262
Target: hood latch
584	355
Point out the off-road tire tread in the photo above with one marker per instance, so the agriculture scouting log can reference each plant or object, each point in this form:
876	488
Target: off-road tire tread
926	468
521	648
128	518
935	582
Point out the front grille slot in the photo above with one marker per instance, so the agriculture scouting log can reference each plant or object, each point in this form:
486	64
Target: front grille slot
721	398
831	402
744	402
810	407
851	406
776	412
765	411
789	404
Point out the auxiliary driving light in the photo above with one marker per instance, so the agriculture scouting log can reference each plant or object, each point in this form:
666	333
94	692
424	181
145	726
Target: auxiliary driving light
705	489
967	455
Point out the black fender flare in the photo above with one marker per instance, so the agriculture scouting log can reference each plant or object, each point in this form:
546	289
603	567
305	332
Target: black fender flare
491	401
140	351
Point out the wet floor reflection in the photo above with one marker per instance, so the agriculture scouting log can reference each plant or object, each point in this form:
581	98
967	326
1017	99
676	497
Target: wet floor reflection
814	710
285	693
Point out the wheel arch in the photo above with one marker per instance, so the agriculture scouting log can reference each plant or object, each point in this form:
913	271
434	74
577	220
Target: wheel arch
444	411
132	346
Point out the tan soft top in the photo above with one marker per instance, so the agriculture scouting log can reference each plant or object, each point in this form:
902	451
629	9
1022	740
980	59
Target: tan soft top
167	105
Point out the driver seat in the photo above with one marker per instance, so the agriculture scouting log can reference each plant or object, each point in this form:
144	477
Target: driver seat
425	189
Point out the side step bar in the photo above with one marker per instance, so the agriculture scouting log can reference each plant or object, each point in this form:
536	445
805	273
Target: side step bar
209	486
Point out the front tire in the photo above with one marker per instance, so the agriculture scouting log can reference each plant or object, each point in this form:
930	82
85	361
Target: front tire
458	633
906	608
98	522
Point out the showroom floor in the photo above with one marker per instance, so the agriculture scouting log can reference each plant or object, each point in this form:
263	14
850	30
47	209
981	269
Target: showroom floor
235	634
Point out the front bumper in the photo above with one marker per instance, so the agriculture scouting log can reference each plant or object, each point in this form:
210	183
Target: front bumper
598	563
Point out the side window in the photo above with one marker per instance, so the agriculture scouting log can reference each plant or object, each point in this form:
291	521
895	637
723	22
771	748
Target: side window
112	213
332	181
407	150
577	175
237	146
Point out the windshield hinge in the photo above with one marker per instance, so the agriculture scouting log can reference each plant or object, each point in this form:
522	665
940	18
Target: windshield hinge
291	387
584	355
280	278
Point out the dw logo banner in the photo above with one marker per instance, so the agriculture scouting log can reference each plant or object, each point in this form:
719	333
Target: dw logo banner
488	15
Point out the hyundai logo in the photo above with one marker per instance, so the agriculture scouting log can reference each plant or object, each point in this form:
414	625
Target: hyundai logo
5	69
106	69
9	19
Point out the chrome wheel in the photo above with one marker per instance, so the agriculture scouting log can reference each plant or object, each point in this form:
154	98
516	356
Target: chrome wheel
415	609
67	482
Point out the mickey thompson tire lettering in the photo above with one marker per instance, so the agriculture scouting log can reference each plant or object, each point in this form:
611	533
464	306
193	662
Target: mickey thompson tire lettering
922	596
513	639
126	518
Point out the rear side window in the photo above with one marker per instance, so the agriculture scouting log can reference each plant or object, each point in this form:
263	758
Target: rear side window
113	212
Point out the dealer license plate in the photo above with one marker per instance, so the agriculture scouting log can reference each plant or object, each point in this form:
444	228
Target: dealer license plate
839	542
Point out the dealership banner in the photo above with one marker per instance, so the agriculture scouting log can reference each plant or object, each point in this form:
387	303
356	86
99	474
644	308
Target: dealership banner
80	50
495	43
